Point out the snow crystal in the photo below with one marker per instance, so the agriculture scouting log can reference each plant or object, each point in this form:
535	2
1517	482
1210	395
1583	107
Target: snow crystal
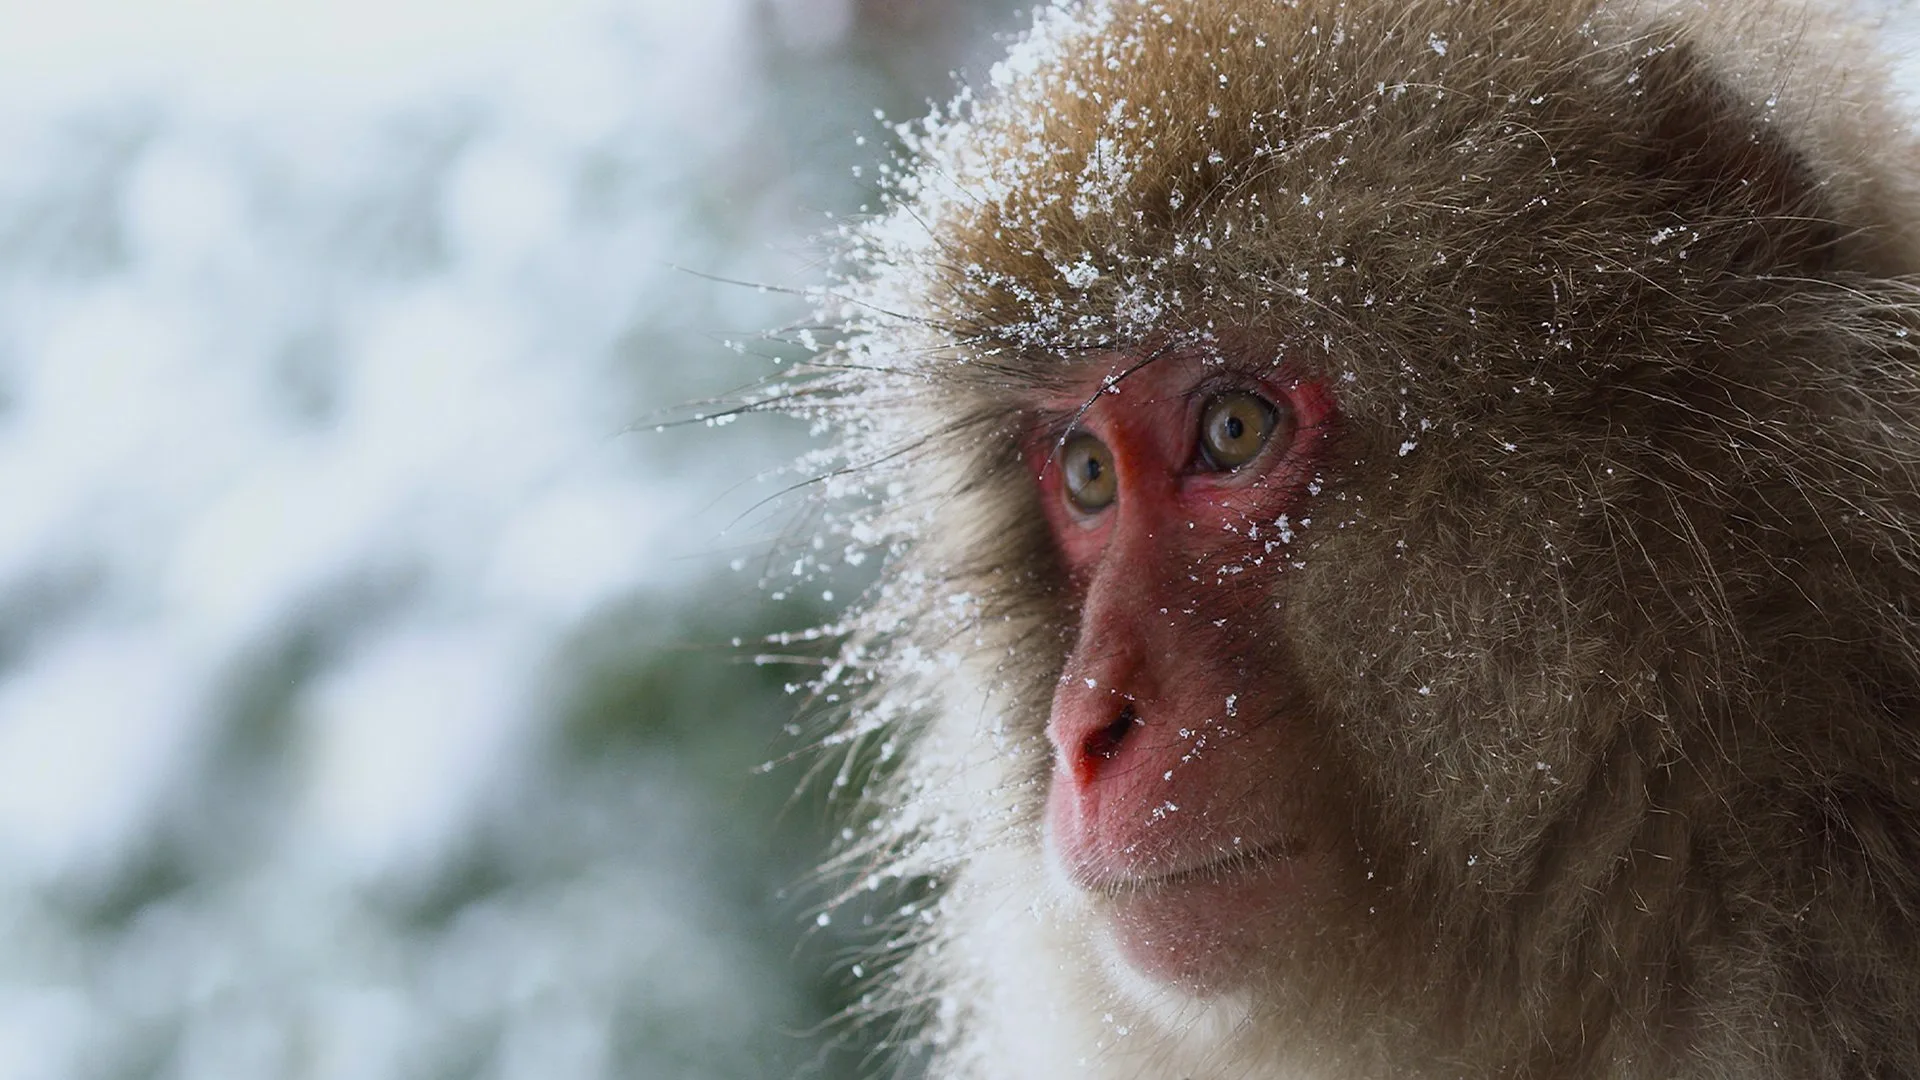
1081	274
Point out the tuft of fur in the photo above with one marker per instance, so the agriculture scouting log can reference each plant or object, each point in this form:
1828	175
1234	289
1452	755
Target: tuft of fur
1607	606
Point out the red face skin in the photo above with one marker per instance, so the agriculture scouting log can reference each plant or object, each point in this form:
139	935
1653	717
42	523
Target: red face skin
1184	798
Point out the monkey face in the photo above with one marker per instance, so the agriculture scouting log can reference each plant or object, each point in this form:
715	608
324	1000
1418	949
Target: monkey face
1185	801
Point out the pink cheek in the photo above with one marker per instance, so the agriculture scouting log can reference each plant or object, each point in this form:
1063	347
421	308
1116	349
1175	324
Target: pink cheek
1267	496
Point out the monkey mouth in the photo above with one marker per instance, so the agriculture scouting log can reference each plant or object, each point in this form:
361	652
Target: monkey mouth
1233	864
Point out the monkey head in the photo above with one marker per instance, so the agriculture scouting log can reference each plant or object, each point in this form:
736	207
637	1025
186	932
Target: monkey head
1399	531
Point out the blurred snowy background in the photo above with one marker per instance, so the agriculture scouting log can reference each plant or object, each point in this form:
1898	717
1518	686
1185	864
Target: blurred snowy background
366	703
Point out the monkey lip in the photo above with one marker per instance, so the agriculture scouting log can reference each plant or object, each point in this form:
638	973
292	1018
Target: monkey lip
1211	867
1112	837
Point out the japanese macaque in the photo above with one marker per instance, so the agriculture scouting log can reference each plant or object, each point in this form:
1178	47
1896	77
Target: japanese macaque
1401	540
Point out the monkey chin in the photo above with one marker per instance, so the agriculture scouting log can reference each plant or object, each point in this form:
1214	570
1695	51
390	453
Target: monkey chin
1206	933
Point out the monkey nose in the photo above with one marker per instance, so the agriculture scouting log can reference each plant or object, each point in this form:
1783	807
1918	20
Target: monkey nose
1101	744
1108	689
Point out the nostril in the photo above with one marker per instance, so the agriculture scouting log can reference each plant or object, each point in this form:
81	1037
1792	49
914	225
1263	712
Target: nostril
1104	744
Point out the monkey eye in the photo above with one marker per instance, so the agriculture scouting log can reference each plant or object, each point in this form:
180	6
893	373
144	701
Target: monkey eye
1088	466
1235	426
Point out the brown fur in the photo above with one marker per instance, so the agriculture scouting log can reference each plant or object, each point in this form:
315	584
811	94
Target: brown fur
1607	611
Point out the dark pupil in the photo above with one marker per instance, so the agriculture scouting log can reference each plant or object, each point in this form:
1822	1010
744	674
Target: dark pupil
1093	469
1235	428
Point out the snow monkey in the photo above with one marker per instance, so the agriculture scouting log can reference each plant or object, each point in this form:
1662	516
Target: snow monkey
1399	528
